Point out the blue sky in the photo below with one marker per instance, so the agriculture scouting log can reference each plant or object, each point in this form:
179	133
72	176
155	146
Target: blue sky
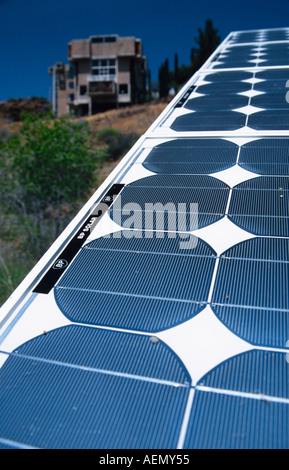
34	33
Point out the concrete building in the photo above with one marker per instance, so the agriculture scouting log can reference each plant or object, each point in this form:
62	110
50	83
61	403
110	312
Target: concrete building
103	72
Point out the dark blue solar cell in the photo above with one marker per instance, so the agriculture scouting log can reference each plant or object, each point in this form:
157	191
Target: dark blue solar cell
277	54
214	102
239	56
245	36
234	62
153	202
272	86
185	156
271	53
270	120
273	75
209	121
266	156
273	249
225	82
128	311
276	59
227	77
261	274
144	284
276	35
77	404
274	81
261	206
276	100
267	275
276	50
262	327
251	291
223	88
108	351
223	421
240	51
259	372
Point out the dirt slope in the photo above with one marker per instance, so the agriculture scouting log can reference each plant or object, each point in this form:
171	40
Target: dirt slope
136	118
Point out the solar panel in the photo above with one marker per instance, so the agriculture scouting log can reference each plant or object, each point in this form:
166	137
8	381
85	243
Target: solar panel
159	318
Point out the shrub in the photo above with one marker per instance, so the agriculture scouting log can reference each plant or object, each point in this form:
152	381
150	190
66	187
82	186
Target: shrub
118	143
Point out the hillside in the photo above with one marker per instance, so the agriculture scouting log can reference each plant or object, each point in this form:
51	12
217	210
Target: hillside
136	118
131	119
17	257
11	110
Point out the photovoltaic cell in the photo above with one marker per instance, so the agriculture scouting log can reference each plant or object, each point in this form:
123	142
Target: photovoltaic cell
270	120
237	56
192	156
172	195
228	77
272	74
215	102
260	205
262	36
260	374
270	100
251	293
125	292
220	88
273	81
58	394
209	121
266	156
276	54
224	82
240	422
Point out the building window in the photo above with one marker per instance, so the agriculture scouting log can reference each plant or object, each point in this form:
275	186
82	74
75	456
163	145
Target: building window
123	89
101	87
110	39
71	84
138	48
70	72
103	67
100	39
82	89
96	40
71	97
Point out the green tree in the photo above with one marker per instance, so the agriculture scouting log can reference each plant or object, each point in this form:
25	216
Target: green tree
45	167
117	144
207	41
164	79
176	71
149	92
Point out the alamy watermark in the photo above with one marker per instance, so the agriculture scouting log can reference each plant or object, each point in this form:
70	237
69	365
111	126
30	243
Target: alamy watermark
287	94
156	220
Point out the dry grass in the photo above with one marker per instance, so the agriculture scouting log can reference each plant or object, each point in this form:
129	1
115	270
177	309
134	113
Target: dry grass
136	118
